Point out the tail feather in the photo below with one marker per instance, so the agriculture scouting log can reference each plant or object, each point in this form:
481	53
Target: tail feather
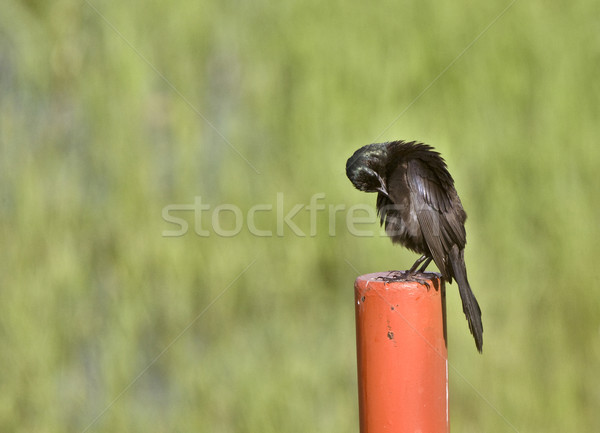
470	305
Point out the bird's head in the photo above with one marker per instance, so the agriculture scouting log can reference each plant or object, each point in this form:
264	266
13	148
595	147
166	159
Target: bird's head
366	168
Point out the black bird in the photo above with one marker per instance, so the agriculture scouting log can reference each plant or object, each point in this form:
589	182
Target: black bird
421	210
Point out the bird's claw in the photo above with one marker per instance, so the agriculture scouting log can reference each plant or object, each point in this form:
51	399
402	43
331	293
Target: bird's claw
416	277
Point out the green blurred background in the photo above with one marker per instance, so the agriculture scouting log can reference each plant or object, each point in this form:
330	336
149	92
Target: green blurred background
111	111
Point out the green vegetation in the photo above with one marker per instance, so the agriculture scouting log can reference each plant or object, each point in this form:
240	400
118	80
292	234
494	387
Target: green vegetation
105	120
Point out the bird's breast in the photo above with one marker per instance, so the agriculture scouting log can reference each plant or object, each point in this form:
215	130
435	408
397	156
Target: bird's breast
402	226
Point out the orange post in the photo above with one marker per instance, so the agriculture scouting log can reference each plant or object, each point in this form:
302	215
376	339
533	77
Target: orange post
402	355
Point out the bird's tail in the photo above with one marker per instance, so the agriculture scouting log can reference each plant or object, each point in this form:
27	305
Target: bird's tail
470	305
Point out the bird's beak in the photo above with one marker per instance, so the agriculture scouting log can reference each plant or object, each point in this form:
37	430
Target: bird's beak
382	189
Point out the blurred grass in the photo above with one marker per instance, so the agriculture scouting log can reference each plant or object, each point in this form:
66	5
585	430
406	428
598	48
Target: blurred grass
94	143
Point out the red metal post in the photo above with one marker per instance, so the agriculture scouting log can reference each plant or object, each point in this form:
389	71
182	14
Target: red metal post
402	355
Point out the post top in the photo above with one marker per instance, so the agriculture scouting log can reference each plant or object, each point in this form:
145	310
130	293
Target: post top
398	280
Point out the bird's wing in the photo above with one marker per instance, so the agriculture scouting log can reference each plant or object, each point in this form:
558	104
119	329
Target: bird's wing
432	195
429	185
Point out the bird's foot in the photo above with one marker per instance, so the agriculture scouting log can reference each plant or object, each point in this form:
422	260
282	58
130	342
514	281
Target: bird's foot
417	277
393	276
